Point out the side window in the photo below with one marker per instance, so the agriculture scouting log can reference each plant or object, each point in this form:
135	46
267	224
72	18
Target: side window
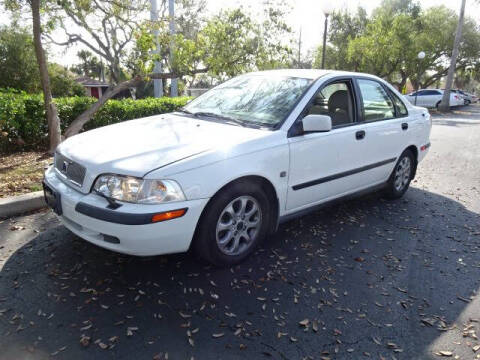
399	105
376	103
334	100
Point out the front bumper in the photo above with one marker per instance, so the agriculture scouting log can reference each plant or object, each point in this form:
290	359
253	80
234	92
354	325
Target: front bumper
129	236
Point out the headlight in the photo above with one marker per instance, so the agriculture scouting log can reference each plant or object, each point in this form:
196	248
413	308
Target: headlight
131	189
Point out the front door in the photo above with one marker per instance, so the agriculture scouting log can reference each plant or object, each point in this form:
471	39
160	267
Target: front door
321	163
94	92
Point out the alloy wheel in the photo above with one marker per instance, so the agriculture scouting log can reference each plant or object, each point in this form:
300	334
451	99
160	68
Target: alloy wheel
238	225
402	173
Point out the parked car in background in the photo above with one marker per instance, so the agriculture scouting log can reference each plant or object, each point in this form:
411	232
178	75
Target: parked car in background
468	97
431	98
457	92
221	174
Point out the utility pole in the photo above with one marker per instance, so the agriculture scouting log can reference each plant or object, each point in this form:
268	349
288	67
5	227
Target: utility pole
299	47
171	14
157	68
324	47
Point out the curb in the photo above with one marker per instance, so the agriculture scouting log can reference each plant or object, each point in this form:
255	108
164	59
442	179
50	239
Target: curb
15	205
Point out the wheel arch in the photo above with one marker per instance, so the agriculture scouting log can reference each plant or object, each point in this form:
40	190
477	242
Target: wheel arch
414	150
265	184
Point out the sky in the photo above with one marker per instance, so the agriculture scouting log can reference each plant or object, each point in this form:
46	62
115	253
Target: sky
306	15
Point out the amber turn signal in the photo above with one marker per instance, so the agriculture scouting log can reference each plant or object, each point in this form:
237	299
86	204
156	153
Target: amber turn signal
168	215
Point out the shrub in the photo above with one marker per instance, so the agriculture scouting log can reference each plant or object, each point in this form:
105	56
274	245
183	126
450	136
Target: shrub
23	123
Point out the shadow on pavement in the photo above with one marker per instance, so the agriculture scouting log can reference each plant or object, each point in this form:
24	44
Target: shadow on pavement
366	277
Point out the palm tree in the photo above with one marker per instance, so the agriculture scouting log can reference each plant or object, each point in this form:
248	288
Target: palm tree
445	104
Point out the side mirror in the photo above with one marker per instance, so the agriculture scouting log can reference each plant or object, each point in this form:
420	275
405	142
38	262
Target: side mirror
317	123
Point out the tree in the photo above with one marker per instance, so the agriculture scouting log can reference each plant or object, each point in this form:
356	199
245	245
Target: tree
225	45
437	38
106	28
229	43
53	121
89	65
17	59
387	47
445	104
394	35
344	27
37	7
62	82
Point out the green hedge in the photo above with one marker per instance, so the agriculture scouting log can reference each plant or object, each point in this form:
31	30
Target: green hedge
23	123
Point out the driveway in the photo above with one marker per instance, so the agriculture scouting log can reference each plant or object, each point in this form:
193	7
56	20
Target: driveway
364	278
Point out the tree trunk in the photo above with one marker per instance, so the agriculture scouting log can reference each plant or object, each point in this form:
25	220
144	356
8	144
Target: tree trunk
445	104
77	124
54	132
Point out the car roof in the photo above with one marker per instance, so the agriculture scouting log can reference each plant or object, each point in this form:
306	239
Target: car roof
310	73
441	90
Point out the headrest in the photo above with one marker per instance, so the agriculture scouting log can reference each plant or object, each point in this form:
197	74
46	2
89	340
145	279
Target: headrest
338	100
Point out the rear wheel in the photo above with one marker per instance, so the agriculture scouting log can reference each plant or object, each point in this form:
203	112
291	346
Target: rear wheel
401	176
233	224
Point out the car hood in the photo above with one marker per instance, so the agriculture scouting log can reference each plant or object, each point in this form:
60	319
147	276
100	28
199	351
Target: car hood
137	147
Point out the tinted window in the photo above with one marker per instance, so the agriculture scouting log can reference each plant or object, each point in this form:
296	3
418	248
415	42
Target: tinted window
431	92
399	105
376	103
334	100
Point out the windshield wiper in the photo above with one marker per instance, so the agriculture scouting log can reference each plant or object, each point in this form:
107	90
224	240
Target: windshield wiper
185	111
218	116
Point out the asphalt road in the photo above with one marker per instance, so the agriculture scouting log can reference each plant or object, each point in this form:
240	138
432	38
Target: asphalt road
365	278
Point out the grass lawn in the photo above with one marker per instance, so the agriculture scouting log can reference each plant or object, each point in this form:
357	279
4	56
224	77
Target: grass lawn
21	173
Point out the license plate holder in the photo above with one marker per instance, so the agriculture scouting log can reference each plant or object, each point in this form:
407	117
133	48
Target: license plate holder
52	198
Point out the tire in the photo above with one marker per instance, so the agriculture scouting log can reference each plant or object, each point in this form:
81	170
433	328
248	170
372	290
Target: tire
401	176
437	105
221	225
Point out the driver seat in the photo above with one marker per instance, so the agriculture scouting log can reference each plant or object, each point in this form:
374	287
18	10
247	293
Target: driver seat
340	108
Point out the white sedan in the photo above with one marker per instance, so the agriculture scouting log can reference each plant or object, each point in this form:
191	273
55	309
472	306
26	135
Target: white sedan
223	172
431	98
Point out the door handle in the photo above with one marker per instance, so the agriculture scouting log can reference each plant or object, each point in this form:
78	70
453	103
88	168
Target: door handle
404	126
359	135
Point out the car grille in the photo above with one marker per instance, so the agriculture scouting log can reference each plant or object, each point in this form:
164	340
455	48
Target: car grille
70	169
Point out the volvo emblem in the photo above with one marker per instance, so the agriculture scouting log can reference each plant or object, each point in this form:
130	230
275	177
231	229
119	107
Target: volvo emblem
65	166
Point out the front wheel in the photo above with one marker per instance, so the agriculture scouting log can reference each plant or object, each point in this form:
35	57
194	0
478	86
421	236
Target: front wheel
233	224
401	176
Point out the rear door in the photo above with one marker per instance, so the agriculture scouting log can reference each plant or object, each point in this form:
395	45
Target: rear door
387	126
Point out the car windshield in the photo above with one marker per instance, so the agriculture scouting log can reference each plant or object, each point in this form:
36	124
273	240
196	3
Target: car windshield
251	100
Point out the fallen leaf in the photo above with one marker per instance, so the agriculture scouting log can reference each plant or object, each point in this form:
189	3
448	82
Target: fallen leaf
445	353
85	340
304	322
185	316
